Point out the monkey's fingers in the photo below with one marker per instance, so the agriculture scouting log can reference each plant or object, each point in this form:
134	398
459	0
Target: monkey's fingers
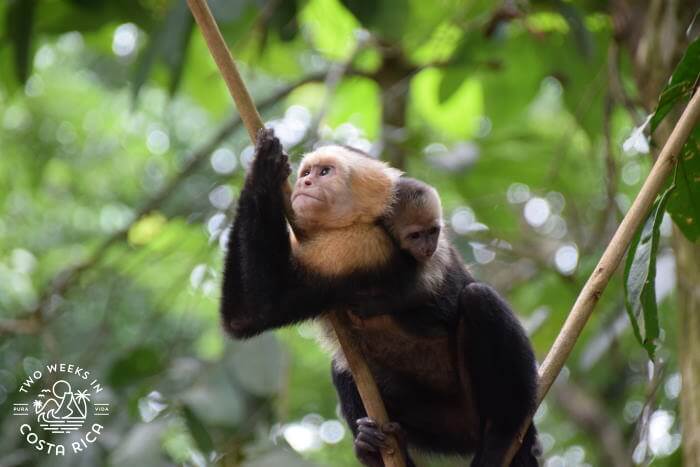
368	432
363	445
283	167
267	148
392	428
374	435
271	165
264	136
366	421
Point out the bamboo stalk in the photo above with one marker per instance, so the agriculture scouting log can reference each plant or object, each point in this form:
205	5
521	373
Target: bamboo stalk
227	67
366	386
236	87
393	457
615	251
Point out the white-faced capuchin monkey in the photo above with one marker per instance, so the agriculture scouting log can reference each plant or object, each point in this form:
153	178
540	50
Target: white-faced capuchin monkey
415	220
454	367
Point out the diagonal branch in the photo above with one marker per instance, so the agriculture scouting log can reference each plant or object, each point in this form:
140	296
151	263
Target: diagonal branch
591	292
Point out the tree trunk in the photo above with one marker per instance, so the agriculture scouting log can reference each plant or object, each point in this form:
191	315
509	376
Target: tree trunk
688	272
393	78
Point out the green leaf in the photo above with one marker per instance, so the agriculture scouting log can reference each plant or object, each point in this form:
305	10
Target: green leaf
179	32
452	80
640	276
457	117
348	94
381	17
197	430
140	363
18	21
667	100
85	16
330	27
143	68
574	17
169	44
284	20
684	204
681	84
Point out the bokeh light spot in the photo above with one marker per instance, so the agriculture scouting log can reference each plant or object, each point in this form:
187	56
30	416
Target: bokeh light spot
125	39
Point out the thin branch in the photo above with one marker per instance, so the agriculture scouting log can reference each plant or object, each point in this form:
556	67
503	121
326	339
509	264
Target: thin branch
591	292
227	67
244	102
641	431
19	326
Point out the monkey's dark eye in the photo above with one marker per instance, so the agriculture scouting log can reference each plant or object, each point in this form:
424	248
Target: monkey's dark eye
434	231
305	172
414	236
325	171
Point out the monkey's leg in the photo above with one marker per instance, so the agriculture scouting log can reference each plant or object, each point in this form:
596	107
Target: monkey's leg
495	444
502	366
529	451
369	438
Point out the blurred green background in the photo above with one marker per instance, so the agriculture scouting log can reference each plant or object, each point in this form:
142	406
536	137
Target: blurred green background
121	159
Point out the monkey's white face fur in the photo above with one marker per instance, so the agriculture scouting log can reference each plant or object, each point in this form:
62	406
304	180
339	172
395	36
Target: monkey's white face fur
337	187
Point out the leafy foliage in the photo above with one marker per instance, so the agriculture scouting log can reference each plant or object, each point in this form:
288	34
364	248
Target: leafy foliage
117	183
681	199
684	204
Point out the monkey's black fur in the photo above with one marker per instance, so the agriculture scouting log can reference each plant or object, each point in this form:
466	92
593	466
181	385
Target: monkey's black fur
454	367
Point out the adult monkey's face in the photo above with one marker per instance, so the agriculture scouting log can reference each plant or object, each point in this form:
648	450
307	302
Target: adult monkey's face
338	186
322	196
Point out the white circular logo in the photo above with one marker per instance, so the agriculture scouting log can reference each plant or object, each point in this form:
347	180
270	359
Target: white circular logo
61	401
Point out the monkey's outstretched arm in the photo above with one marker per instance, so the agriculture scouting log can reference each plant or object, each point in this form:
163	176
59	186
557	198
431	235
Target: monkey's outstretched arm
263	287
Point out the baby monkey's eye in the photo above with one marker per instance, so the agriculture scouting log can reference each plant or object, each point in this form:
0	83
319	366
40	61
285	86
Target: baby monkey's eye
434	231
414	236
325	171
305	172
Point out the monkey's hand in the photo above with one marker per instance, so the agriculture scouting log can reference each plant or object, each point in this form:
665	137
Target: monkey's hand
371	439
271	164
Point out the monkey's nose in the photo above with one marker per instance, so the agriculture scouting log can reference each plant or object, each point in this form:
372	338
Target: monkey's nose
307	182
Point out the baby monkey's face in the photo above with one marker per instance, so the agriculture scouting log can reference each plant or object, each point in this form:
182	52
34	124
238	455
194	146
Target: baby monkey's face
420	240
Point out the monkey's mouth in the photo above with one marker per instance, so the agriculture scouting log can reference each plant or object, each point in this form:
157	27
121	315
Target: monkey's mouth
298	195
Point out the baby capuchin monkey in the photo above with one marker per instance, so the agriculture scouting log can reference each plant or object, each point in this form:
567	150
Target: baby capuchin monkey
415	222
416	218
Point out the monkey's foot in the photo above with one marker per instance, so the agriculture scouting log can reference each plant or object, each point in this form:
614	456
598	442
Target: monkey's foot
371	439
